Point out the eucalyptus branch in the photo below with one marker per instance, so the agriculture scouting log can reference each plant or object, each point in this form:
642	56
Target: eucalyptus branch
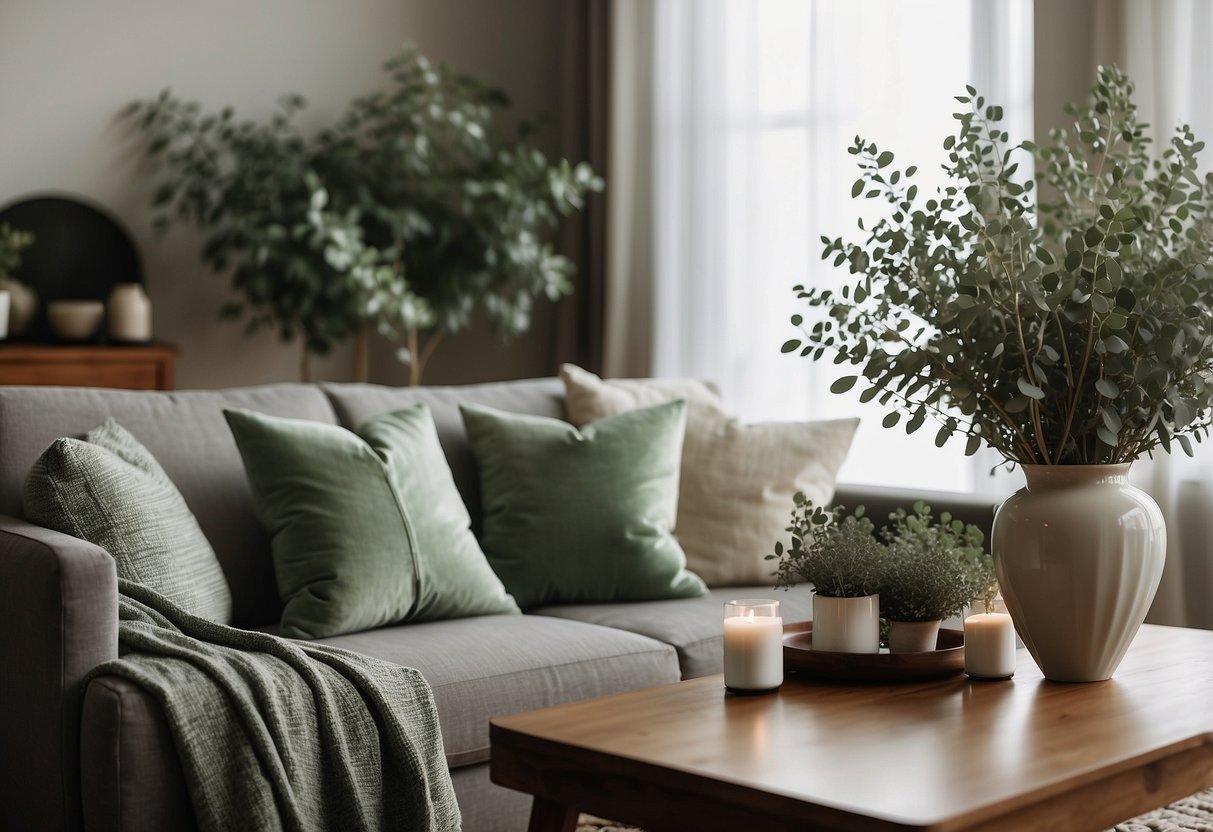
1071	330
882	326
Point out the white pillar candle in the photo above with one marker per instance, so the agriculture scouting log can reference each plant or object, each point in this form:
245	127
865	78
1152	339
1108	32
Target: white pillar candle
990	646
753	646
978	606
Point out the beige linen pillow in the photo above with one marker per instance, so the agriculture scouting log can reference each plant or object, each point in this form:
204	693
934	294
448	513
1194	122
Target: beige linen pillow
737	480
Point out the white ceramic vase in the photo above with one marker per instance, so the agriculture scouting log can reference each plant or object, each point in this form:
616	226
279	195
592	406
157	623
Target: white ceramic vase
129	313
1079	553
23	305
846	625
4	306
913	636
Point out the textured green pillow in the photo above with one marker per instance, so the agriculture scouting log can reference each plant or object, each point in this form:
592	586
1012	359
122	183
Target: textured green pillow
582	515
109	489
367	529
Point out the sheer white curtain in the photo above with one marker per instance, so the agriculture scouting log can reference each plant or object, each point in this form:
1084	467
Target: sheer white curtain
1166	47
753	106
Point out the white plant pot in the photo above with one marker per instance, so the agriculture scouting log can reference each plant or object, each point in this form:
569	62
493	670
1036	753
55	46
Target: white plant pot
4	306
913	636
1079	554
846	625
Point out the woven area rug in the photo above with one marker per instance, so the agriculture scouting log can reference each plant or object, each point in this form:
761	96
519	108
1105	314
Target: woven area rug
1192	814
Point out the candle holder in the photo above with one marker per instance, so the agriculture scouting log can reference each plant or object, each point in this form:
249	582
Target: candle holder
753	646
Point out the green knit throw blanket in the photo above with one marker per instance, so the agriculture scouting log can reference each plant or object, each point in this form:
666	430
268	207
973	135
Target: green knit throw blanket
284	735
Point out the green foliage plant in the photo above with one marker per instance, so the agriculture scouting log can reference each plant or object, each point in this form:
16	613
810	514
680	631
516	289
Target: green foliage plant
406	215
836	552
12	242
1066	327
249	186
934	567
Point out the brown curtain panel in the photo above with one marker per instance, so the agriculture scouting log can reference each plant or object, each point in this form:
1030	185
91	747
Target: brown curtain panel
585	69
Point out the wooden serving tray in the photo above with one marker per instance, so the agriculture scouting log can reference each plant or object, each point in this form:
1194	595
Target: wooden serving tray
799	657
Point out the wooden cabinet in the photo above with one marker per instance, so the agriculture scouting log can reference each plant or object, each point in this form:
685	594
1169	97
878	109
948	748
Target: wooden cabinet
136	367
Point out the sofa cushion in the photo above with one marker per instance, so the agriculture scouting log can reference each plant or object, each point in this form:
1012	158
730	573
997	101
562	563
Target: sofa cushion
482	667
107	489
582	515
692	626
188	436
368	529
588	397
356	403
737	479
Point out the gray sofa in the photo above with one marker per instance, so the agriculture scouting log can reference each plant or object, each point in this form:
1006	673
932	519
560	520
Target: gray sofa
101	758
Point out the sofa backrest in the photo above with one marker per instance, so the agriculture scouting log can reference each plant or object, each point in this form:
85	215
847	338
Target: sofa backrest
188	435
356	403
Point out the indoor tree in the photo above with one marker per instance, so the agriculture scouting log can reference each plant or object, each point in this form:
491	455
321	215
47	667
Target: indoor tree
250	186
407	215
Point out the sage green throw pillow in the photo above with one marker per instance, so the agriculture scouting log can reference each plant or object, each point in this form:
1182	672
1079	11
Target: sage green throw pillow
582	515
109	490
367	528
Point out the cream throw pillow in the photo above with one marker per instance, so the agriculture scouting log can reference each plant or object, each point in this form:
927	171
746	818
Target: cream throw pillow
737	480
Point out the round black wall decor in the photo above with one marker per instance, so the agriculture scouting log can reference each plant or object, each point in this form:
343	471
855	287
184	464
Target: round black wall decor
80	250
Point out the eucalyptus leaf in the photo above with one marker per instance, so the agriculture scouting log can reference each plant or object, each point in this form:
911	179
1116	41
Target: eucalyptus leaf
843	384
1029	389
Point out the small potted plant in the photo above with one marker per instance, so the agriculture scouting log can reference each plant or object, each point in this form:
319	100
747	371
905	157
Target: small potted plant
840	556
932	572
12	242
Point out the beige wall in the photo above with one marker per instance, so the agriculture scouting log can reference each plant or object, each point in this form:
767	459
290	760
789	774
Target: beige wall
68	66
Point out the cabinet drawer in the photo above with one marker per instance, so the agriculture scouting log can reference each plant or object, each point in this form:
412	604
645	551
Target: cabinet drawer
147	367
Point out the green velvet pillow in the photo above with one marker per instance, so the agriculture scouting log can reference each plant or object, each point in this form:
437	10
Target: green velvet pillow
582	515
367	529
109	489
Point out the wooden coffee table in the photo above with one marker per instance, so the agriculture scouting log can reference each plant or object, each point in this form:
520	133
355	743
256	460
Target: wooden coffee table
1027	754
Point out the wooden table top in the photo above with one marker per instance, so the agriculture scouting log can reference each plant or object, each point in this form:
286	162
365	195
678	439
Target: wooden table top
953	754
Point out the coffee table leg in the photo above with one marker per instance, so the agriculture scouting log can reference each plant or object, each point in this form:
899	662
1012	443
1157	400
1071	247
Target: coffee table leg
547	816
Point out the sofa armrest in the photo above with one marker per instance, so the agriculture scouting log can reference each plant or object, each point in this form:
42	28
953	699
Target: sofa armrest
880	501
131	779
58	620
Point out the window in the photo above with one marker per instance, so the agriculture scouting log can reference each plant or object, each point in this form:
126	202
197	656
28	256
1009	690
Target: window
755	105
